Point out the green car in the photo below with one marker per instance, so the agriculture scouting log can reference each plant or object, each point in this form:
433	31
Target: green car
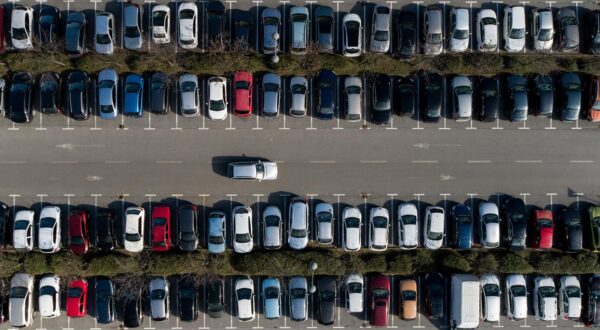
595	223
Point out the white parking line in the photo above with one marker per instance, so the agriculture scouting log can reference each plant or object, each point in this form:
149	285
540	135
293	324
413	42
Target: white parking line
581	161
479	161
322	162
169	162
117	162
373	161
64	162
529	161
424	161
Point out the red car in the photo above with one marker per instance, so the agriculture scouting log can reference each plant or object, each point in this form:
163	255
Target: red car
77	298
78	232
161	228
380	300
543	226
2	13
242	84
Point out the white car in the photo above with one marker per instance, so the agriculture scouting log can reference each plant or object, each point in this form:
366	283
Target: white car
298	224
272	228
217	98
569	297
516	297
487	30
325	223
24	231
434	229
408	226
489	222
298	293
158	292
514	28
244	297
462	94
299	96
20	300
21	27
490	293
355	286
133	229
49	232
189	95
49	296
351	35
379	226
255	170
380	34
243	240
104	36
460	33
544	298
187	18
161	24
351	233
542	29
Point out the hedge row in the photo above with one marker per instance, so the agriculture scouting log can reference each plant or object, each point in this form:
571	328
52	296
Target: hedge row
225	62
285	263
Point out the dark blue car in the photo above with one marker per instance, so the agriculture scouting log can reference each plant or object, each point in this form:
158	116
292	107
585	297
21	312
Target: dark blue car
327	91
133	104
105	300
463	226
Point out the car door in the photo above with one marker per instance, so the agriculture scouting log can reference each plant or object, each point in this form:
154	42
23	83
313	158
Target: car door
483	302
511	304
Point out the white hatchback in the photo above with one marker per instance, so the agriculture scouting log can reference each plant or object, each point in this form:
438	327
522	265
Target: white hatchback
187	18
217	98
49	232
298	224
244	297
516	297
408	226
544	298
459	36
161	24
21	27
487	30
133	229
434	232
351	233
490	293
379	225
49	296
243	240
24	231
569	296
355	286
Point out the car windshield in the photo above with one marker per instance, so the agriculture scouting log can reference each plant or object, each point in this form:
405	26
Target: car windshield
517	34
354	287
242	238
409	295
596	105
132	32
159	221
463	219
217	105
490	218
325	25
271	293
435	38
188	237
158	18
355	223
271	21
434	236
519	88
188	86
47	222
353	90
271	87
381	36
518	291
18	292
216	239
157	294
547	292
298	293
74	292
21	225
242	85
272	221
186	14
298	89
103	39
324	217
544	87
106	109
187	294
572	222
488	21
572	87
460	34
103	295
106	84
460	90
409	219
352	29
244	294
19	33
77	240
544	223
380	222
491	290
299	18
214	307
488	93
327	296
157	85
573	292
132	88
298	233
405	89
545	34
132	237
76	87
47	291
569	20
595	295
378	292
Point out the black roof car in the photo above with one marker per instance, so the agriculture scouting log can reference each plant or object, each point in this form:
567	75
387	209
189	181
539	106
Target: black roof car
463	226
132	312
594	25
517	97
324	27
75	31
187	300
407	94
104	230
406	25
434	87
215	21
572	229
593	303
515	214
4	224
543	87
242	21
381	106
434	295
49	93
20	97
187	235
327	94
159	93
77	95
214	298
49	19
327	293
489	91
105	300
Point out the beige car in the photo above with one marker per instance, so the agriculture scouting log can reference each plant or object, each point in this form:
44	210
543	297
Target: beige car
408	299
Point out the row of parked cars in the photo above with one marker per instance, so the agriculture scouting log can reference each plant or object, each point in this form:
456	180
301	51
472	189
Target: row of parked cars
435	230
471	299
386	29
423	97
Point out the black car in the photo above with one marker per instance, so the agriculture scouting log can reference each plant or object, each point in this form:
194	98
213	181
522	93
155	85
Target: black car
159	93
215	22
434	295
21	110
187	300
187	235
572	229
489	91
4	224
75	31
593	303
132	309
48	23
381	106
49	93
434	88
105	300
324	26
463	226
4	312
242	21
406	26
104	230
327	85
543	87
214	298
516	216
595	32
407	92
326	296
77	95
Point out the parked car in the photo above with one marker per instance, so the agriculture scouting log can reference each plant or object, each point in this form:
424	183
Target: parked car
298	230
244	297
104	230
569	297
133	95
434	87
379	296
243	240
189	95
49	20
327	90
158	93
513	28
78	234
3	89
77	294
434	295
49	93
408	226
5	218
433	31
104	293
518	101
20	106
355	286
132	309
242	22
487	30
353	92
23	231
408	299
407	93
187	234
253	170
158	293
160	226
187	300
593	111
379	225
593	301
542	29
77	95
75	34
351	232
462	94
299	18
381	29
161	24
215	23
489	91
516	297
187	18
460	29
491	296
544	298
489	225
271	21
272	228
351	35
217	98
568	26
108	85
49	296
216	232
20	300
571	96
572	229
326	300
299	96
271	294
298	296
324	28
243	88
543	226
215	295
433	233
2	15
49	229
406	34
543	86
381	106
594	214
104	36
21	27
516	219
271	88
133	36
463	226
325	223
594	24
133	229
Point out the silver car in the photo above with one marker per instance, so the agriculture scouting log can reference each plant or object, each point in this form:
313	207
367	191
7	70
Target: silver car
216	232
271	20
158	291
189	95
542	29
351	35
24	231
272	228
325	223
433	29
353	91
569	30
21	27
105	33
132	25
20	300
299	20
108	85
462	92
271	87
299	96
298	295
380	35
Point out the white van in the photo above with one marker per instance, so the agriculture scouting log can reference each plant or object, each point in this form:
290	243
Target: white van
464	295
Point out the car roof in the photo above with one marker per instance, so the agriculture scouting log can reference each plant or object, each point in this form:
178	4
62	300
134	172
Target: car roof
518	17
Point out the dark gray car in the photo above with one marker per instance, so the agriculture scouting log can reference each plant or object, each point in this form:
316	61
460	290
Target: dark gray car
543	86
159	93
517	92
573	231
327	294
187	234
569	30
324	25
571	96
75	34
105	300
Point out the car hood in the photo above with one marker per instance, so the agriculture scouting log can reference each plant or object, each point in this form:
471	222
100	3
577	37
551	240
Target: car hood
546	237
45	238
158	310
543	45
242	247
272	236
353	238
493	233
327	312
298	242
575	238
515	44
492	309
134	246
186	29
379	236
410	235
45	305
104	48
433	49
355	302
268	40
19	239
549	308
270	171
546	102
520	310
465	234
21	44
244	309
459	44
216	248
298	309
